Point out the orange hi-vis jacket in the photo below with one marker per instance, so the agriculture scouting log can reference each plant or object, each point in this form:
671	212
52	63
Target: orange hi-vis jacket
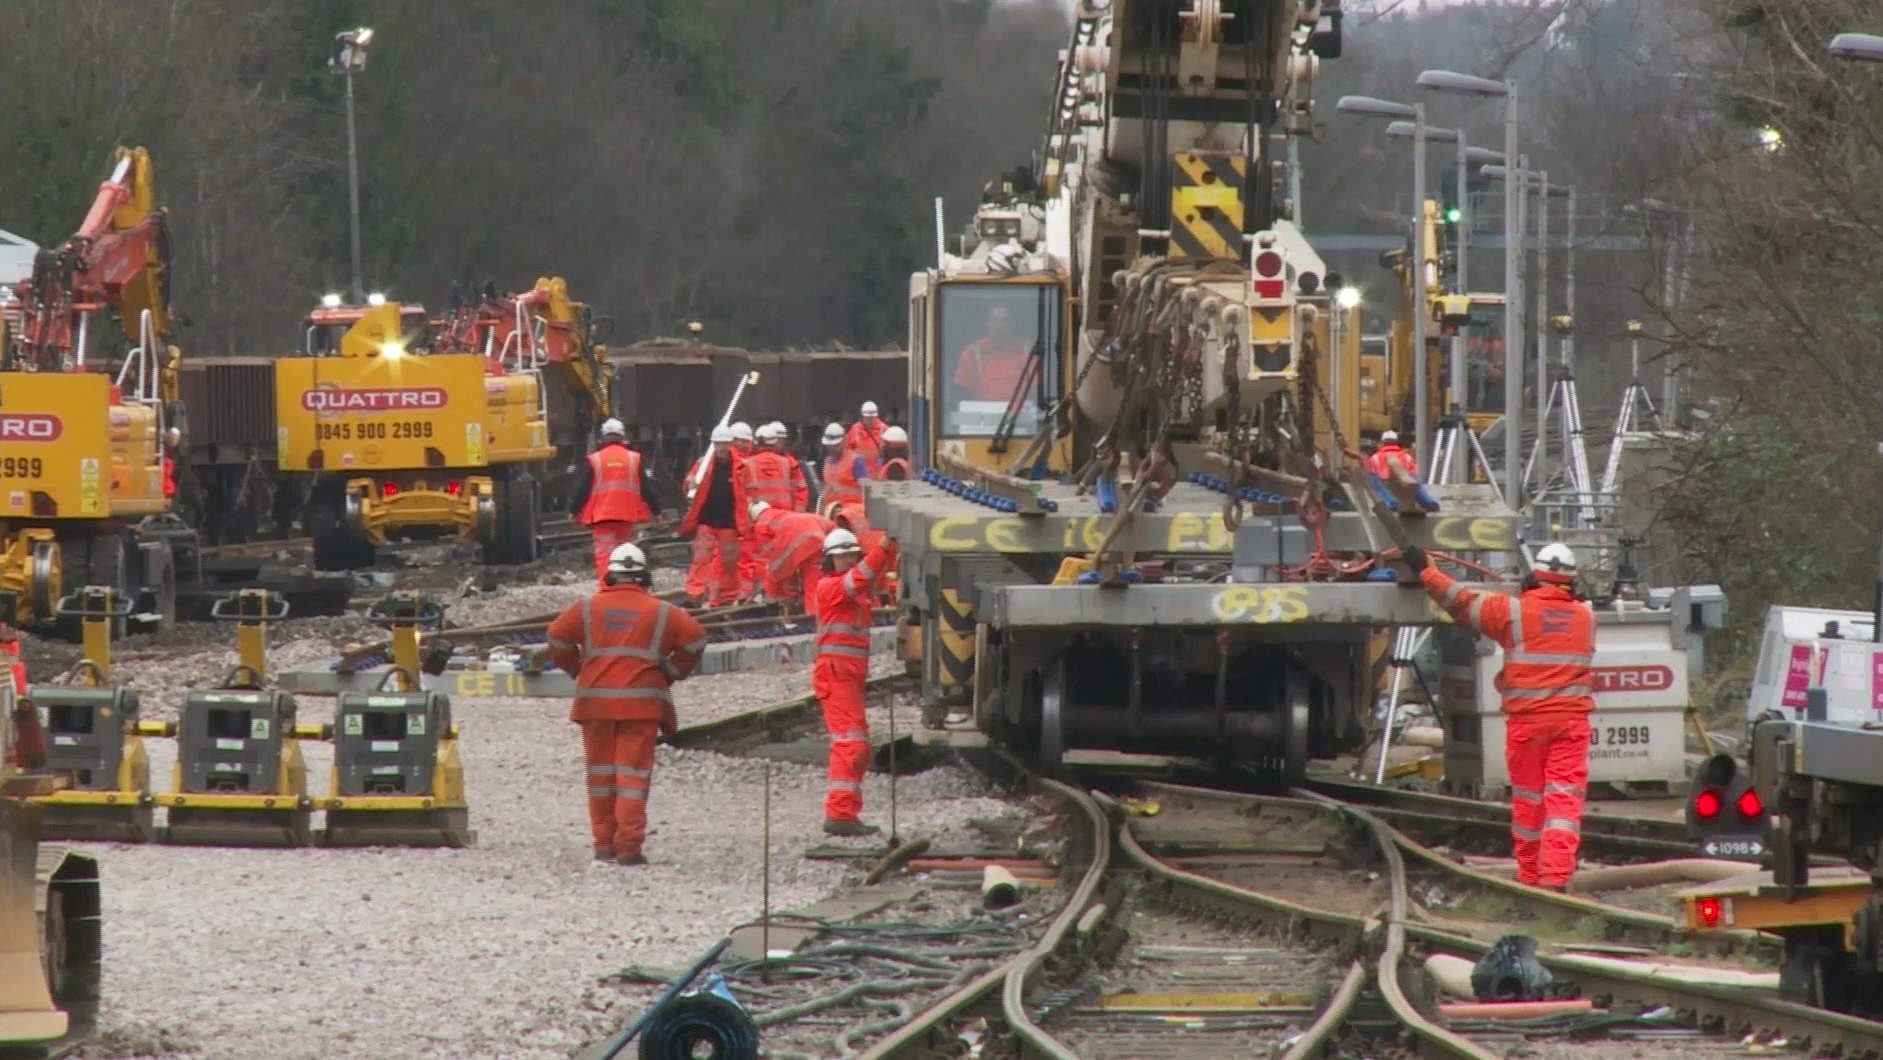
625	647
842	481
169	476
741	516
786	540
865	440
1548	637
616	496
895	469
1377	463
11	649
775	477
844	605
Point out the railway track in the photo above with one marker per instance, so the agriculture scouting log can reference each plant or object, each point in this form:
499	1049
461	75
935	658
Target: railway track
1198	922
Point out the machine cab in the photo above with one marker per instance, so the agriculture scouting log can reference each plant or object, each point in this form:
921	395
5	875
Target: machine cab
1483	399
989	342
325	326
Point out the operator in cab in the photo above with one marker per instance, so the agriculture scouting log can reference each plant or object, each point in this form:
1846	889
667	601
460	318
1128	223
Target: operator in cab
1548	636
991	367
613	494
1388	453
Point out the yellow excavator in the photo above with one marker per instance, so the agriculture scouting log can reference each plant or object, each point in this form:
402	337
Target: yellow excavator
84	438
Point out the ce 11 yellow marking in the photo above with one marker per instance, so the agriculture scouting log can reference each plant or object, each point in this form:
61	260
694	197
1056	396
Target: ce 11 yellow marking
1261	604
1177	534
489	683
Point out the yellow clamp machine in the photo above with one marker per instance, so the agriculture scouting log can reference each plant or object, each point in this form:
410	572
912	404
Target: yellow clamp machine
239	778
92	735
397	777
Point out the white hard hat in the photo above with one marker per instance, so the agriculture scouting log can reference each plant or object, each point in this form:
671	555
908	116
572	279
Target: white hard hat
613	429
776	428
627	559
770	432
1555	562
742	431
757	507
1388	436
895	436
722	436
840	540
869	408
833	434
174	435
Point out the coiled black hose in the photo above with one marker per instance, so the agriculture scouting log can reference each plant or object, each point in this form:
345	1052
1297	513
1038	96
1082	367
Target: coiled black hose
678	1029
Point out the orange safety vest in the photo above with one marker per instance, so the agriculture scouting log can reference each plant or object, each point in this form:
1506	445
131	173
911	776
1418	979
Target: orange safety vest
615	496
741	515
840	482
1548	637
892	470
169	477
625	648
786	539
1398	455
767	477
866	441
844	603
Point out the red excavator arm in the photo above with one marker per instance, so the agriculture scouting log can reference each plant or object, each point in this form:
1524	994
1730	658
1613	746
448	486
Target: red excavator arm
118	258
541	328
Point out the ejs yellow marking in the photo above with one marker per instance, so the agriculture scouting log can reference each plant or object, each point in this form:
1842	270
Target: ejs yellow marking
1261	604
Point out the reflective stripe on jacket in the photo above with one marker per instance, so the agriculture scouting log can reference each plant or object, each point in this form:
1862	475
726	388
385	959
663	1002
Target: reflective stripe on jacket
1548	637
844	603
767	476
616	495
785	540
894	470
625	647
840	482
1391	451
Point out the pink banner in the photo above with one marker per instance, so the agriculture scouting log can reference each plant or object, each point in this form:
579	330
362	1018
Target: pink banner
1797	677
1876	681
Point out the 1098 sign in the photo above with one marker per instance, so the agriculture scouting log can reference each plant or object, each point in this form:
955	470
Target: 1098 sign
397	430
22	467
1620	736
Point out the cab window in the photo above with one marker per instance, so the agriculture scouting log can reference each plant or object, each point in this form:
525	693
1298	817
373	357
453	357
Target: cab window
323	340
1484	359
997	347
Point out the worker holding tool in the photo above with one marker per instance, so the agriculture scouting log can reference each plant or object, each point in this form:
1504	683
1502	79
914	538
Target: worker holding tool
771	474
716	519
1548	637
844	598
613	494
625	648
865	436
894	466
1390	452
789	548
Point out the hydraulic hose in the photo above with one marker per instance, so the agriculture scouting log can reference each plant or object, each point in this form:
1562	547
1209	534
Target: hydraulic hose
677	1030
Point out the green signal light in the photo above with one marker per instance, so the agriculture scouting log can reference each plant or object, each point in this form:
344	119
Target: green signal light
1453	215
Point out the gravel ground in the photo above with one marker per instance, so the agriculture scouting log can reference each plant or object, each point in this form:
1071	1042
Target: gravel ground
492	951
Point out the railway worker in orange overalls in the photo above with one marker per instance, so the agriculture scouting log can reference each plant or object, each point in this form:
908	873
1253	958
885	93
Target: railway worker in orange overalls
852	517
614	494
772	475
790	549
844	471
894	466
865	436
1391	452
844	601
172	438
29	745
716	519
1548	637
625	648
800	486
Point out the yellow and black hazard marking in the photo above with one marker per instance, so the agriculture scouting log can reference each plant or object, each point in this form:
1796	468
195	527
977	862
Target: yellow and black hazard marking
1206	206
955	665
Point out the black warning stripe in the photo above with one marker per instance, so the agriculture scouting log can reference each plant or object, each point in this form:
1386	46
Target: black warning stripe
1208	231
956	641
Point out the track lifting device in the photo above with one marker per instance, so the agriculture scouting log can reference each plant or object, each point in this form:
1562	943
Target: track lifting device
84	433
50	922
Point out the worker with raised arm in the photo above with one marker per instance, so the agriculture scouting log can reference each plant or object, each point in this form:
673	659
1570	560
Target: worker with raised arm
865	436
894	466
1388	453
772	474
851	517
790	552
626	648
845	599
716	520
1548	637
613	494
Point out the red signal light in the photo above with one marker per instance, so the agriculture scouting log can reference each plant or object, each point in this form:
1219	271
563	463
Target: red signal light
1707	804
1749	804
388	489
1270	288
453	487
1268	264
1708	910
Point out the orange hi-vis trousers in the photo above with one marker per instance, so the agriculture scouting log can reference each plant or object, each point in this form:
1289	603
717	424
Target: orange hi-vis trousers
838	682
713	576
620	766
608	537
1548	759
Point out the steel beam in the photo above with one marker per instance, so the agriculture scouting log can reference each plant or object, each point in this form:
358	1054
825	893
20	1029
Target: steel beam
1211	605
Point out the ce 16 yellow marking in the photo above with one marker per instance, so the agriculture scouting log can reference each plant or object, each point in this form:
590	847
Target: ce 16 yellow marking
346	432
1178	534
